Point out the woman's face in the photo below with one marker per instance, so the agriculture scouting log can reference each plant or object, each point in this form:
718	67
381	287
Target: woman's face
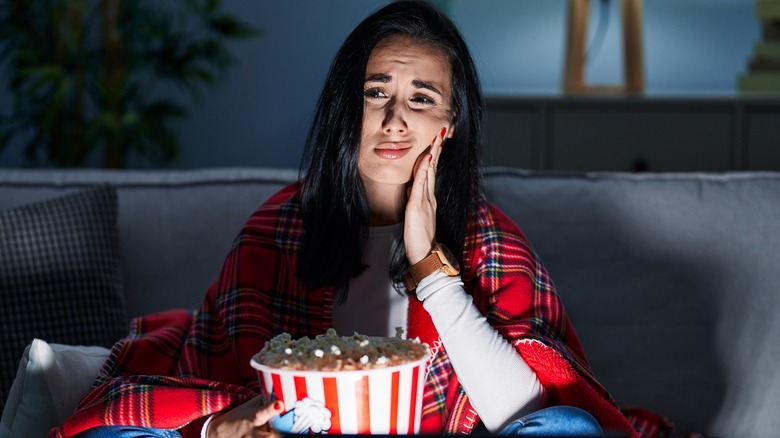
407	102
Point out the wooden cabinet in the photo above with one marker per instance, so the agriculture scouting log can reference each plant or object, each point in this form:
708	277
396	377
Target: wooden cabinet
633	133
763	136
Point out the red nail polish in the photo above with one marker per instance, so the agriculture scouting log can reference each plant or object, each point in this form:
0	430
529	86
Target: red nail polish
277	405
434	140
443	131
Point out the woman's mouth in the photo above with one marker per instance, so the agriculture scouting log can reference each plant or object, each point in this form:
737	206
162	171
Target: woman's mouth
392	152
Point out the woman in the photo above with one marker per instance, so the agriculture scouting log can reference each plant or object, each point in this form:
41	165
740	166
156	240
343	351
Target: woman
393	179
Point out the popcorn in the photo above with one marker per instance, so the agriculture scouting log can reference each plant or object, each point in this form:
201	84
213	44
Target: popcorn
381	376
331	352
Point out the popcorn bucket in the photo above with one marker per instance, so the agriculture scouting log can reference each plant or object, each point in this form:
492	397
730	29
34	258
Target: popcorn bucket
384	401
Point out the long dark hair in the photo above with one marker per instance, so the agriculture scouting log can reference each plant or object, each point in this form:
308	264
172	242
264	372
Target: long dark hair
333	199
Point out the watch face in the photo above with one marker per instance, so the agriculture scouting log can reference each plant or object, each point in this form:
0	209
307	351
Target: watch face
451	260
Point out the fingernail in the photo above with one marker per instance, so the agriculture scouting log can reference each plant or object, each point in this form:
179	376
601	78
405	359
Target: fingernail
443	131
434	140
430	157
277	405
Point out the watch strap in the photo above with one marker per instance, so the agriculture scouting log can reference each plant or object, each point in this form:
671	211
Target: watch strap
425	267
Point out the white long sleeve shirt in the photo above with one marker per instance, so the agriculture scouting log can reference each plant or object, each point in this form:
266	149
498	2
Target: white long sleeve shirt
509	390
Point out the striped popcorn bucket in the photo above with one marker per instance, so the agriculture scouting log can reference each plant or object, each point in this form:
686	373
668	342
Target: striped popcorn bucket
385	401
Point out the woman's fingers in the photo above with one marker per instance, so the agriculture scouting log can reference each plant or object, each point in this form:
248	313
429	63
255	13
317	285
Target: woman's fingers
264	415
435	150
437	144
420	222
420	176
425	170
247	420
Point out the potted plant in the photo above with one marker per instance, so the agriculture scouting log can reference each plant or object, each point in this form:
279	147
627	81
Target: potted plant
88	75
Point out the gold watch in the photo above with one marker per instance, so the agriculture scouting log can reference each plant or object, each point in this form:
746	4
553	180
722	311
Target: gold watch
439	258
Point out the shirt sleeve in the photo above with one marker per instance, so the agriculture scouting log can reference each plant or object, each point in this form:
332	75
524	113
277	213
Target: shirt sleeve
205	426
511	388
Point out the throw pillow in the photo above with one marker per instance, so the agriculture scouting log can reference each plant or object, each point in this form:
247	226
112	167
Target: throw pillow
60	275
50	382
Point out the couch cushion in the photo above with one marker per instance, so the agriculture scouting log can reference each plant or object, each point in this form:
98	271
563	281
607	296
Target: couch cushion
50	382
176	226
60	275
671	281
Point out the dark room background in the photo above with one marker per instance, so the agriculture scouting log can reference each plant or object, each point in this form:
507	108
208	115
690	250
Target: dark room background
259	115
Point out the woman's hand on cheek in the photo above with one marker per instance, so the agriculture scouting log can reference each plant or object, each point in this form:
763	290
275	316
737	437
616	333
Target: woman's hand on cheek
420	217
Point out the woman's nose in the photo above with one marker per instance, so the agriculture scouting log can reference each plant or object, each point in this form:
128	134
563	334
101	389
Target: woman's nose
395	120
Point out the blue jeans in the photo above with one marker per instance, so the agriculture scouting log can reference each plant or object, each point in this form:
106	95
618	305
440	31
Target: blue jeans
552	421
555	421
128	432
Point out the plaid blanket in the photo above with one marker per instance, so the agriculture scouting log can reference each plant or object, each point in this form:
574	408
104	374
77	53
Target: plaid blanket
178	367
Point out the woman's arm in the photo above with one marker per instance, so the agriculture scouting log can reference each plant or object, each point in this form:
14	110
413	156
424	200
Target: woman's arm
499	383
509	387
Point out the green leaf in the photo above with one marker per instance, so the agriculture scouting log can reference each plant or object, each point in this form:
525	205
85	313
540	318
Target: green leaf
212	5
71	99
230	27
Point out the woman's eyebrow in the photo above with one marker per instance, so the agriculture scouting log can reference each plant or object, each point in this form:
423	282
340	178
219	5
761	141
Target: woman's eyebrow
379	77
426	85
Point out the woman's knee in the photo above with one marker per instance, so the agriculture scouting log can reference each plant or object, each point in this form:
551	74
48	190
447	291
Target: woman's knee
555	420
580	420
128	432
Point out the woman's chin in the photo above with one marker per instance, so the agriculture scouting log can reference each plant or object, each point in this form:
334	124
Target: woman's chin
387	177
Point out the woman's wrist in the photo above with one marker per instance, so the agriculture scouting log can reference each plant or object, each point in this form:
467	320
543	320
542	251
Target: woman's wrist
416	255
435	282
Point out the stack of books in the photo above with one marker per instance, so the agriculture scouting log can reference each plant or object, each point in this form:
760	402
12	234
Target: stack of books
764	67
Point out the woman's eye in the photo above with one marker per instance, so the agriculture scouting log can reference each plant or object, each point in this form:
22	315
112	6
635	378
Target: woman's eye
374	93
421	99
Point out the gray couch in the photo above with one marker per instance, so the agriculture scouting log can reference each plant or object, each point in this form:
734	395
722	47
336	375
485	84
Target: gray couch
672	280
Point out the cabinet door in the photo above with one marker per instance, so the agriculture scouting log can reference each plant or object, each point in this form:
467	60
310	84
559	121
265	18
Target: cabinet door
764	141
638	139
511	138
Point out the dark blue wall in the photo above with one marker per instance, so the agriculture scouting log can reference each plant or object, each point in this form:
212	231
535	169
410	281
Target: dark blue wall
260	114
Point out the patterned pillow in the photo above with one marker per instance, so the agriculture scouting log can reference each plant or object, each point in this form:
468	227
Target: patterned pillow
60	276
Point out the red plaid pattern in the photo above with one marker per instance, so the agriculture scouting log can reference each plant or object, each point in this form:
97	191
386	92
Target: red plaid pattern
206	355
649	424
